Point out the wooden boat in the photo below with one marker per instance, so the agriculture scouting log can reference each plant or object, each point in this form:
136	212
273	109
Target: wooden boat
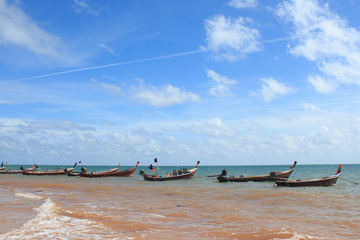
84	170
260	178
176	175
49	172
17	171
111	173
323	182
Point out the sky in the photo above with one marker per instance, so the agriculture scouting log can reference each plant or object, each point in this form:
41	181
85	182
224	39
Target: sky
235	82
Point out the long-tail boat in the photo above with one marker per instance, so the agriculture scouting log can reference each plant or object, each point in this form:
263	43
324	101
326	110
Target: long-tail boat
17	171
323	182
62	171
175	175
111	173
272	176
84	170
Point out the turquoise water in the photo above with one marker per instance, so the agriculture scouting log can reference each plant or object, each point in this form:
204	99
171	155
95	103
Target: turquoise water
350	172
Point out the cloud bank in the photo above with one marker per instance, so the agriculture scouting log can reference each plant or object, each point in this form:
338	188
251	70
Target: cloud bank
255	141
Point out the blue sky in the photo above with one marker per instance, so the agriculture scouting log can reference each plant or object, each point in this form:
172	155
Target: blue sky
237	82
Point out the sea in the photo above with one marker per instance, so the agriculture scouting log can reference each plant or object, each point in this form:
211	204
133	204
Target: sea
62	207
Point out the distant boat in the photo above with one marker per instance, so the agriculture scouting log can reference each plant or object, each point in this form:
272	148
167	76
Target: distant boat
323	182
17	171
49	172
259	178
110	173
176	174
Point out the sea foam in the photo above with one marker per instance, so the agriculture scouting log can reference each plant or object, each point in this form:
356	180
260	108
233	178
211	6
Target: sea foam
50	224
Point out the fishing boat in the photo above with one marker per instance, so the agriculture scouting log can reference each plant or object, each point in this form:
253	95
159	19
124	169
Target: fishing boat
272	176
175	175
62	171
110	173
84	170
17	171
323	182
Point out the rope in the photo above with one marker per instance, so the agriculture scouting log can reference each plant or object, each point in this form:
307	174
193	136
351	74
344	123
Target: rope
348	181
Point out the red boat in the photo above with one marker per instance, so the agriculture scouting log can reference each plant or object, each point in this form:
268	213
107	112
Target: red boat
49	172
176	174
323	182
260	178
111	173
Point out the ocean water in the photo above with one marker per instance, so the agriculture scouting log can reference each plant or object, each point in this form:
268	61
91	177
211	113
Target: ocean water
62	207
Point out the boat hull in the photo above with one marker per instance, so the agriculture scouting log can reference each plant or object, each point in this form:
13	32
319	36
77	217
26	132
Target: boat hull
77	174
124	173
321	182
260	178
46	173
11	172
22	170
169	178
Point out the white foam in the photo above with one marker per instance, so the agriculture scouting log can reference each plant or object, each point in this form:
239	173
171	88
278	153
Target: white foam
48	224
156	215
297	236
29	195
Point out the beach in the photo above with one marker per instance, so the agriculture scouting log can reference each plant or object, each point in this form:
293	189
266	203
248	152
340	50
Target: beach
61	207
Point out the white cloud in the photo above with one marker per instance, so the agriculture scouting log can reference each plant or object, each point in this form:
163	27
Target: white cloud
271	89
321	85
17	28
166	95
222	84
243	3
325	38
83	6
230	39
312	108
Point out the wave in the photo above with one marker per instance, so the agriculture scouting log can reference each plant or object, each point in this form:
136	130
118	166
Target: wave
52	222
29	195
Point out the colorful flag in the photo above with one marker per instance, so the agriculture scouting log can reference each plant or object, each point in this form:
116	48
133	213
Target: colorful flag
155	160
339	169
152	168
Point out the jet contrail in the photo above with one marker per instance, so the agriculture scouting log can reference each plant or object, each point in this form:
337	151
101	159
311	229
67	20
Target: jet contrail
279	39
112	65
134	61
